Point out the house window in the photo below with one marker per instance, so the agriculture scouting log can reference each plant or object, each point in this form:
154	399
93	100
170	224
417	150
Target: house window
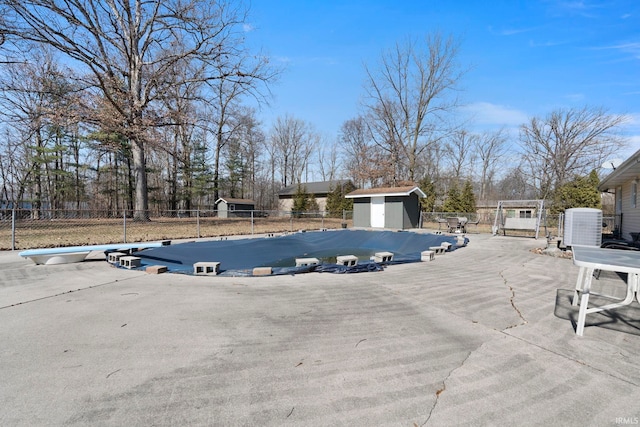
232	207
525	214
634	193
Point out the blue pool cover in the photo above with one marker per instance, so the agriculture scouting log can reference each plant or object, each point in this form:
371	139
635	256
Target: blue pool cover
239	257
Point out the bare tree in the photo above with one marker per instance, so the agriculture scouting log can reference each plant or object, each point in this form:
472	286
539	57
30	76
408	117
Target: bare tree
270	183
409	96
354	141
41	105
253	139
514	185
180	135
127	47
293	140
567	143
385	129
459	153
24	108
490	149
228	118
365	162
245	166
114	187
242	156
328	160
14	167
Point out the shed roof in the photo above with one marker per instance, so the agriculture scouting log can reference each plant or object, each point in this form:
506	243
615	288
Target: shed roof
386	191
319	187
229	200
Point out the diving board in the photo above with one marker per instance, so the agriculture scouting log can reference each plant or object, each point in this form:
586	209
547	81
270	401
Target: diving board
70	254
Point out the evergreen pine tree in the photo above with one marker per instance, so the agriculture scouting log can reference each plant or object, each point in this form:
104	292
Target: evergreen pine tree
582	192
467	198
337	203
346	204
334	202
427	186
452	202
300	201
312	204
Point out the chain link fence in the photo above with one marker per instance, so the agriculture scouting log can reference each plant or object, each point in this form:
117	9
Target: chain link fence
28	229
551	225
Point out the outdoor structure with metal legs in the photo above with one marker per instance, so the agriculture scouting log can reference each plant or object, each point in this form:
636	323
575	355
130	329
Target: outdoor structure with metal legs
520	215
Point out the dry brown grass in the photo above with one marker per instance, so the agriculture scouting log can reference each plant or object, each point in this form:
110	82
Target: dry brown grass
72	232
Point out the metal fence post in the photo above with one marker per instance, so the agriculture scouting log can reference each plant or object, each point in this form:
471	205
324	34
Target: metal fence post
13	229
252	223
560	226
124	226
198	222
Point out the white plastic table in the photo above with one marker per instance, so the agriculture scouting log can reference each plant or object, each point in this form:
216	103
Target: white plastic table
590	258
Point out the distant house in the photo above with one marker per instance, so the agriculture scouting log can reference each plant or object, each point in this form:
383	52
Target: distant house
389	207
624	182
319	189
230	208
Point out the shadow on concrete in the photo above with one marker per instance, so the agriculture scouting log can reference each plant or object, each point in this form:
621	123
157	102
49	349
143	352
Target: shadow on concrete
624	319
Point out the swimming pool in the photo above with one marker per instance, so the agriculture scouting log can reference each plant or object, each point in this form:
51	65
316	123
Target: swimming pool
240	256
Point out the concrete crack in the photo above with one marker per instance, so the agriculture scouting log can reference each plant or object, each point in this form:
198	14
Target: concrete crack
512	299
573	359
444	387
70	291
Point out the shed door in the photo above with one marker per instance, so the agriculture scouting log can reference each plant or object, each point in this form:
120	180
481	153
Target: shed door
377	212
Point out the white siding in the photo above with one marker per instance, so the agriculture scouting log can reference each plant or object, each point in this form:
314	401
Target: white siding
285	205
631	215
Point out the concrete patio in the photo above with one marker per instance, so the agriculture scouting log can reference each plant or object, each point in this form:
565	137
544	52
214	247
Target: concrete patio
480	336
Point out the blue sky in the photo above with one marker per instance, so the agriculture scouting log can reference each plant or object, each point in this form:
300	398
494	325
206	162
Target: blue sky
525	58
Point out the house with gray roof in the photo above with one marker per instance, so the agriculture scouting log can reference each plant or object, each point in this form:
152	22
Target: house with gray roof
319	189
228	207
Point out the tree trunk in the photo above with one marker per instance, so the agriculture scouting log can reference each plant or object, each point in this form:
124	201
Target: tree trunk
141	202
216	163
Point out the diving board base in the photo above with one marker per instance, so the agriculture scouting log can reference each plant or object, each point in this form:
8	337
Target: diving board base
71	254
53	259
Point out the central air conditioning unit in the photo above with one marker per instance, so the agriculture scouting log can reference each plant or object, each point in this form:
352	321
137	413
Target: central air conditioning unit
582	226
